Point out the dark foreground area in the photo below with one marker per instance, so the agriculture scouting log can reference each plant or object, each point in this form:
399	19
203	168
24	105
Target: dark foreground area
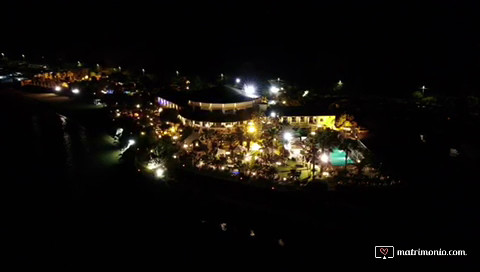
63	205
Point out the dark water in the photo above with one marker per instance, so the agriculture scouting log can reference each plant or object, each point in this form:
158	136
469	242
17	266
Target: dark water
65	202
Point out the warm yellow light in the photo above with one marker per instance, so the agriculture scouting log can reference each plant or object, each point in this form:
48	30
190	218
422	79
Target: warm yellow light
251	129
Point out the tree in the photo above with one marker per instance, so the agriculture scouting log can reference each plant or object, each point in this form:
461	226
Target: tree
323	140
165	148
347	145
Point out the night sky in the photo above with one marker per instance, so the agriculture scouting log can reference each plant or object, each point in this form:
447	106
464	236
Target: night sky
374	46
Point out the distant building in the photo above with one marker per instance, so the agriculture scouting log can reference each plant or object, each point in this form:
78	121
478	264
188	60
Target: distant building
303	117
217	107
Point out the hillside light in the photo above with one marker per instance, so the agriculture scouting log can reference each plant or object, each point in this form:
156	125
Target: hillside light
340	83
237	80
305	93
138	106
273	114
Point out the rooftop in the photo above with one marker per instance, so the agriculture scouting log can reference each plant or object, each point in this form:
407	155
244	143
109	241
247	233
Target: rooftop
219	94
300	111
217	116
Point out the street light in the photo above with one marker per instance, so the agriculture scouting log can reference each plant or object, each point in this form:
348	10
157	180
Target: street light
288	136
237	80
58	88
250	90
274	89
143	71
423	89
23	56
75	91
273	114
159	173
324	158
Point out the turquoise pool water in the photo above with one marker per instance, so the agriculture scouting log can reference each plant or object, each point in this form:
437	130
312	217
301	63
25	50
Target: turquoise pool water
337	158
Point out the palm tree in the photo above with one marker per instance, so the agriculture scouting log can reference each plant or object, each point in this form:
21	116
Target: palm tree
347	145
323	140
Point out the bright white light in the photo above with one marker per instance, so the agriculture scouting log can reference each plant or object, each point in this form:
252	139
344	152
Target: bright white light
274	89
305	93
131	142
273	114
288	136
255	147
159	173
250	90
340	83
324	158
152	165
58	88
75	91
138	106
272	102
237	80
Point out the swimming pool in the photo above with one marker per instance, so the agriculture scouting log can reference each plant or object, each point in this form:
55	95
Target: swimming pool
337	158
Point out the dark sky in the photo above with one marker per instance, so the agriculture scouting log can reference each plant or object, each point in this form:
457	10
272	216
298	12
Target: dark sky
374	45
